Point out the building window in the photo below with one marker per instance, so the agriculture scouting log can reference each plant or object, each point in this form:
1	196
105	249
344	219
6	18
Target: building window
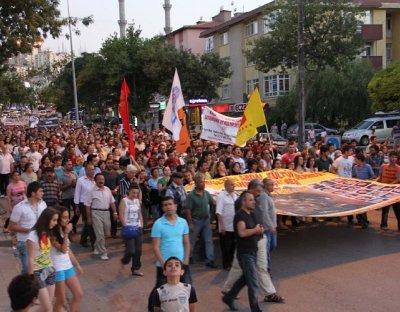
210	44
251	28
224	38
248	62
388	26
226	91
251	85
388	53
267	21
275	85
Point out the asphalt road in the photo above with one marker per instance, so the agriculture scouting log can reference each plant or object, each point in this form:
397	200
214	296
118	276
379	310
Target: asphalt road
324	267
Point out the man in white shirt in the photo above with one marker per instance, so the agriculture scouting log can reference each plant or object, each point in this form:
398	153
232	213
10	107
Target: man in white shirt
34	157
24	217
226	212
82	188
237	157
6	167
97	203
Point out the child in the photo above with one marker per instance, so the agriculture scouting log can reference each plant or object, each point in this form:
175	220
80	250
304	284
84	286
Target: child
38	245
65	263
174	296
23	290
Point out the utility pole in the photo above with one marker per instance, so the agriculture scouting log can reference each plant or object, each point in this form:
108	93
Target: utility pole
73	69
300	55
122	21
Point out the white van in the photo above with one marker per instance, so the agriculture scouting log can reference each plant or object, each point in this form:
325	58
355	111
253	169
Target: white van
381	122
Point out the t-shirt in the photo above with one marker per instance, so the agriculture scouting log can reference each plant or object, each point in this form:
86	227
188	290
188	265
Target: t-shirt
344	166
245	244
132	212
6	160
199	204
174	298
171	237
226	208
323	164
61	260
41	250
287	158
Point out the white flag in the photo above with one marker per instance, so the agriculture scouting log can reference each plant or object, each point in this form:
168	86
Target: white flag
175	103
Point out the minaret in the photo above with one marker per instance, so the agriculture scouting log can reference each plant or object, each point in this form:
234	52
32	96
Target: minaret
167	7
122	21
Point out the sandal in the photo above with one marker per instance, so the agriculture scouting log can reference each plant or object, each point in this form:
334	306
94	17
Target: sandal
274	298
136	273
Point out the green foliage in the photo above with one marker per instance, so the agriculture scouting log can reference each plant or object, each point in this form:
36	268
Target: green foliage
336	98
12	89
384	89
330	34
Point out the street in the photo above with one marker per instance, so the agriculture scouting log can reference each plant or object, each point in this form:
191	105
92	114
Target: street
322	267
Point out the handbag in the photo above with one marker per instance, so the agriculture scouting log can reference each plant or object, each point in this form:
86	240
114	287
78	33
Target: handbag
130	231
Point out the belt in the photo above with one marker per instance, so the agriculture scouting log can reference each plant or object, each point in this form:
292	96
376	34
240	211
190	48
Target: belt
99	209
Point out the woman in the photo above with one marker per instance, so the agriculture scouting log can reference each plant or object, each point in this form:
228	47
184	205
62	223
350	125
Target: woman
38	246
310	167
277	164
45	162
130	214
16	193
299	164
102	165
252	166
65	264
236	169
219	170
29	175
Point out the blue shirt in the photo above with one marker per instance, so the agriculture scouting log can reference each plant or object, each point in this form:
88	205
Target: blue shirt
171	237
363	172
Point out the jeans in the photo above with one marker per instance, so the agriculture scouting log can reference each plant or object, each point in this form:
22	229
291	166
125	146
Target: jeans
23	255
133	250
248	263
203	227
272	243
385	213
155	212
186	278
4	180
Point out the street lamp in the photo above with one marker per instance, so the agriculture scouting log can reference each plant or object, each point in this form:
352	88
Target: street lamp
73	68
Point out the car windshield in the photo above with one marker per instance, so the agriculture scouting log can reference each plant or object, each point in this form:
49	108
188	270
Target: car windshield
364	124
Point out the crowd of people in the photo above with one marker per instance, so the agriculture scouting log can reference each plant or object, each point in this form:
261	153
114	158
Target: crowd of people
53	178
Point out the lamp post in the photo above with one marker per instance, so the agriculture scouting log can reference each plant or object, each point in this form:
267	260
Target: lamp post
300	55
73	69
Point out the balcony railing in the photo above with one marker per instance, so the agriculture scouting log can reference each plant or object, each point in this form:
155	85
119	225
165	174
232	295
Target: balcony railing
371	32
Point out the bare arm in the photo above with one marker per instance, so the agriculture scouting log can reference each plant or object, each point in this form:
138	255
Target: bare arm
243	232
75	262
30	249
121	210
88	215
191	307
157	251
189	218
186	244
14	227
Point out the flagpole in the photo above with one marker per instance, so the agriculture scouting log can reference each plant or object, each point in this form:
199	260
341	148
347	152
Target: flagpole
269	139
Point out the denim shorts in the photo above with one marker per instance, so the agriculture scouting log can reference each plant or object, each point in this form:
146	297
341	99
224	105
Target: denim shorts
63	275
45	277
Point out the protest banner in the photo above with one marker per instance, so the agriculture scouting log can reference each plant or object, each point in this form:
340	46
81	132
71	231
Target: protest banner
219	128
317	194
20	121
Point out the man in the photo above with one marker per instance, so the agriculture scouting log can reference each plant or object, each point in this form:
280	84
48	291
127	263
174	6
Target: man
324	162
198	204
34	157
170	237
21	165
284	130
255	188
268	211
112	182
237	157
343	166
225	213
289	156
374	160
139	144
362	171
247	233
24	217
97	203
126	182
83	186
390	174
23	292
68	180
172	161
203	168
6	167
396	135
51	188
92	159
178	193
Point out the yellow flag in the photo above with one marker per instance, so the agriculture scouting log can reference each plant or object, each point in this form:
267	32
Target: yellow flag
253	117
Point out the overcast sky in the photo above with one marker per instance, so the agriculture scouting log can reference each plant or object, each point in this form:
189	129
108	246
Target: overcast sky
146	14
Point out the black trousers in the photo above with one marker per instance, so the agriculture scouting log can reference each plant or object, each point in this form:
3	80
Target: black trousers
228	245
4	180
69	203
385	214
87	230
133	251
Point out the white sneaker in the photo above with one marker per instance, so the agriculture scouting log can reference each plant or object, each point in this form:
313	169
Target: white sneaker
104	257
96	252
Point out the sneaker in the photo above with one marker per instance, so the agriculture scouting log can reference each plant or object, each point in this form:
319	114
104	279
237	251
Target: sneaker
96	252
104	257
2	196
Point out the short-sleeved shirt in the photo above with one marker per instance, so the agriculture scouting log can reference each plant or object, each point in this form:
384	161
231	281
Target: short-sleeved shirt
199	204
26	216
6	160
364	172
226	208
171	237
344	166
41	250
323	164
99	198
177	297
51	192
66	179
245	244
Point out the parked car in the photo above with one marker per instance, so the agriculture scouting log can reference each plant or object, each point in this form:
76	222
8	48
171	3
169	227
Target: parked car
293	130
382	123
279	141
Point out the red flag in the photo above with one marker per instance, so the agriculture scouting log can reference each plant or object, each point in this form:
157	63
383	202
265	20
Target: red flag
123	110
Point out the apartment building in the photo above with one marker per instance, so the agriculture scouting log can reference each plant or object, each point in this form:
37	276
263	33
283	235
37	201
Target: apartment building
380	29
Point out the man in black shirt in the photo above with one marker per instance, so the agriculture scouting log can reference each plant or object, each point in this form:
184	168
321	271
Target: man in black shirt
247	233
112	182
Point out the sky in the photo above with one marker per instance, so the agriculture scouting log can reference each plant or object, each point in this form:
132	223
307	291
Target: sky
147	15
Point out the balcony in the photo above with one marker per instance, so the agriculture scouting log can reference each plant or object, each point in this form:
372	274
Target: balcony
376	61
371	32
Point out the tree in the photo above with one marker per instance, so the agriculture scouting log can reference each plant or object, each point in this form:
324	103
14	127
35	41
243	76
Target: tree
330	34
13	89
337	98
384	90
